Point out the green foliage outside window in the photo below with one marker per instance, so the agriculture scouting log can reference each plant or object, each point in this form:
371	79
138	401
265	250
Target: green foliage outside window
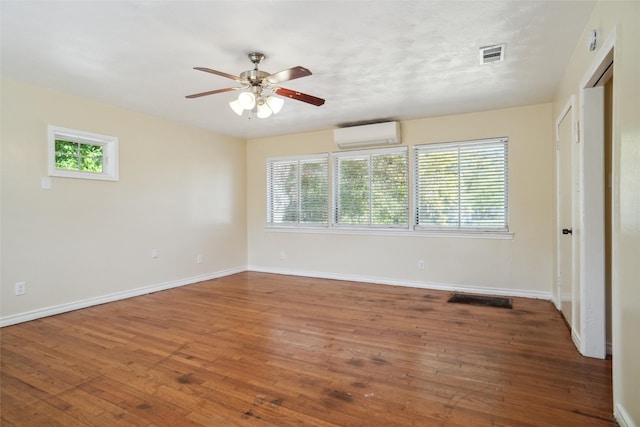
354	192
314	196
462	186
389	195
372	190
438	200
298	192
77	156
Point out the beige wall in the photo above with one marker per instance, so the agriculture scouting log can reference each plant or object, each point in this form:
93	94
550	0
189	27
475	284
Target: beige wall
186	191
181	191
623	18
522	265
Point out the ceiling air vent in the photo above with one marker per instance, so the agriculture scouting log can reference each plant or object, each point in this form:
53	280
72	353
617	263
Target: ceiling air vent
493	53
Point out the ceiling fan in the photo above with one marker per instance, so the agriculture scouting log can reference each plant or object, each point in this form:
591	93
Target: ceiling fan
260	87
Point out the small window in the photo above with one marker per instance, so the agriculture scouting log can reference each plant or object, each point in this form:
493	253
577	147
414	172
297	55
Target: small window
298	191
462	186
371	188
79	154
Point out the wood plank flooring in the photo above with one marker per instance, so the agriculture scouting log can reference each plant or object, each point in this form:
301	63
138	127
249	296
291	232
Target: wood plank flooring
255	349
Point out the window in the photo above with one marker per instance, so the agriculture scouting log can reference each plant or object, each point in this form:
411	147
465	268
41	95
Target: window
297	191
462	186
79	154
371	188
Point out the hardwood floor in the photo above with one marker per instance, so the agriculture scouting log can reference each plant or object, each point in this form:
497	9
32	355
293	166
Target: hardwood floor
264	350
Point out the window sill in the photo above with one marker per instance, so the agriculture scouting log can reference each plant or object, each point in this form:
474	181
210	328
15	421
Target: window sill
84	175
500	235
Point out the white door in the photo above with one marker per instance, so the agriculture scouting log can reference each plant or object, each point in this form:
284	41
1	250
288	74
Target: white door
565	278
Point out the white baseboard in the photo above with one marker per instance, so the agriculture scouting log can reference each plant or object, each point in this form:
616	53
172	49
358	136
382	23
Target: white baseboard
622	417
575	337
76	305
408	283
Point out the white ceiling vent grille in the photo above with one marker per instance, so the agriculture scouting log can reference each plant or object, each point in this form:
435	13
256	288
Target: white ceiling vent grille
493	53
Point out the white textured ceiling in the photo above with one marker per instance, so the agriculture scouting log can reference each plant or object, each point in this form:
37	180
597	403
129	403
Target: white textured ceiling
371	60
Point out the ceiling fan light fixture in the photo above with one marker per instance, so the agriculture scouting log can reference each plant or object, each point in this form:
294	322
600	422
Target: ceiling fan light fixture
236	107
274	103
264	111
247	100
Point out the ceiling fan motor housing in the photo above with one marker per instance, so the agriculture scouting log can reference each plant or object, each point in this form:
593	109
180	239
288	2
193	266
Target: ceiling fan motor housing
254	77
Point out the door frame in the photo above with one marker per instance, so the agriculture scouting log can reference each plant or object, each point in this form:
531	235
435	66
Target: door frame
591	219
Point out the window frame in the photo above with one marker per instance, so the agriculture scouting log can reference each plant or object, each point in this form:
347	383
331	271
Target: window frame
461	230
109	144
300	159
335	188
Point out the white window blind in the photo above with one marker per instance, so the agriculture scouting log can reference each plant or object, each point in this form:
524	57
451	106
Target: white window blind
371	188
462	185
297	191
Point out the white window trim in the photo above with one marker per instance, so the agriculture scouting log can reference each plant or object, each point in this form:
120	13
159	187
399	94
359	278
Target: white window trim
364	228
397	232
297	225
110	153
412	232
500	233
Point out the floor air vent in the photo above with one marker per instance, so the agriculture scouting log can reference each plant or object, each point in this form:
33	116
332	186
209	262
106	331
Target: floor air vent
499	302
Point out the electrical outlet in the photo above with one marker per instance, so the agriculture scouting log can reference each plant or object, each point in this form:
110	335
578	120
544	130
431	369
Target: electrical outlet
21	288
421	264
199	259
154	253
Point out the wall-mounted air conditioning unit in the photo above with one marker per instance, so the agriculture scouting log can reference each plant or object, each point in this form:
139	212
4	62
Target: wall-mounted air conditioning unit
377	134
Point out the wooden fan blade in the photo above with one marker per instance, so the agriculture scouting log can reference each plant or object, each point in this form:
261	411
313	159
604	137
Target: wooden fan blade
219	73
211	92
299	96
290	74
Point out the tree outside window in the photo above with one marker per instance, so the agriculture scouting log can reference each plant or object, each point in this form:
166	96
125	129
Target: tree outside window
371	188
78	157
462	185
297	191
